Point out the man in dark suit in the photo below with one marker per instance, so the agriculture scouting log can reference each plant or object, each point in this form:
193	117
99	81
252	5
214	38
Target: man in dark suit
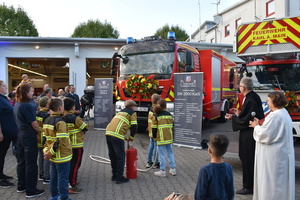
240	121
75	97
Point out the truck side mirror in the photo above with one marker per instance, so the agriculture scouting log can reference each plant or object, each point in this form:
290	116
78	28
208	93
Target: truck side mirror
125	60
188	58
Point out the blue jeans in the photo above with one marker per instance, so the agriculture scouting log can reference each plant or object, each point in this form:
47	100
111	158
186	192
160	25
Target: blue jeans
162	149
152	151
59	180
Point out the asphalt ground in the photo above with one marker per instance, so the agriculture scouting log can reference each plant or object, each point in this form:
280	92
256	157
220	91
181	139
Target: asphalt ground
95	177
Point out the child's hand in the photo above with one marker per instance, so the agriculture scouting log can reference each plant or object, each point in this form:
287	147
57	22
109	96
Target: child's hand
46	156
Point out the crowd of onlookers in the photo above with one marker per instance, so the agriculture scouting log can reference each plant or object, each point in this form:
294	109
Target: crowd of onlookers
45	130
51	132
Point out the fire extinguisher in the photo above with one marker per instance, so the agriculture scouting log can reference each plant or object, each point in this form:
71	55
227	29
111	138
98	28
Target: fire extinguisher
131	162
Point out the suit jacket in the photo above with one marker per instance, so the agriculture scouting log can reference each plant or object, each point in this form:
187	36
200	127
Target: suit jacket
251	103
76	100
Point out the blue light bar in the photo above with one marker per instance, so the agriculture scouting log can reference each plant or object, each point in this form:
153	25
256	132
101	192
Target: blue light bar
171	35
129	40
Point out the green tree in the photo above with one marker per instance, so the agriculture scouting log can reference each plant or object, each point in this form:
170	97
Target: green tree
95	29
180	34
16	22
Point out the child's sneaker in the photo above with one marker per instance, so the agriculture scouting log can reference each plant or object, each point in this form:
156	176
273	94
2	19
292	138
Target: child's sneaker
46	181
75	190
55	198
149	164
156	166
160	173
41	177
172	171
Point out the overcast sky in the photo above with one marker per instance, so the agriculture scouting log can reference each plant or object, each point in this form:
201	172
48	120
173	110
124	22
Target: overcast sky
132	18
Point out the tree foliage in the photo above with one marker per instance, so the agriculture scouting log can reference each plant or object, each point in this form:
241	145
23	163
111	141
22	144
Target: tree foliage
16	22
181	34
95	29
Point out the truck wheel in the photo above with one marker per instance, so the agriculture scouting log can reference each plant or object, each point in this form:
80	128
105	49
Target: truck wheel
222	118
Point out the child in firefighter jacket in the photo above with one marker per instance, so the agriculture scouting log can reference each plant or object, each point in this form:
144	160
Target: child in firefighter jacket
41	116
58	149
162	130
152	144
115	133
77	130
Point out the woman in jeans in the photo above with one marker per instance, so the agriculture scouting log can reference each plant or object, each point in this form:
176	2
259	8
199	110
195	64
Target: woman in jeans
27	152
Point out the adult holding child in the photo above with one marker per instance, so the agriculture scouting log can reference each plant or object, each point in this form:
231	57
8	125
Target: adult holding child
8	132
274	169
240	121
24	112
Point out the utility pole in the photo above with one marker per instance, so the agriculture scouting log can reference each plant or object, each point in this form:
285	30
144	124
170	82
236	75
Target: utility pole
199	20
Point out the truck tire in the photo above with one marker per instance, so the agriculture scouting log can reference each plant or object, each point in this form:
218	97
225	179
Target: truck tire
222	118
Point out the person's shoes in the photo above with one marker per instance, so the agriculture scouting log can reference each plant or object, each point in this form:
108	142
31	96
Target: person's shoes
149	164
244	191
113	178
21	190
156	166
75	190
46	181
122	180
35	194
172	171
6	184
160	173
55	198
41	177
4	177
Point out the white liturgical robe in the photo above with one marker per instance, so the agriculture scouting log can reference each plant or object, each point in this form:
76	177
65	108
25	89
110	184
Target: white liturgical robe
274	168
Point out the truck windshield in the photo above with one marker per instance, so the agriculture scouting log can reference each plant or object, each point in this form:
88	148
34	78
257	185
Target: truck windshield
279	76
160	64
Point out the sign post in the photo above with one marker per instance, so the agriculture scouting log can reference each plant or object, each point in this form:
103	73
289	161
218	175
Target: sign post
188	105
103	102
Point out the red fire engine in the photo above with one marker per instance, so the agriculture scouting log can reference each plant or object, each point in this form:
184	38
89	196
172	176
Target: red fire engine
271	50
158	59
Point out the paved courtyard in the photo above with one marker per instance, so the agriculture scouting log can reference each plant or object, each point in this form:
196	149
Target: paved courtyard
95	177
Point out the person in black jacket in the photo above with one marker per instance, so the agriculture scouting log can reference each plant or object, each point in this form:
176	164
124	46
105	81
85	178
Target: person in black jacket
8	132
240	121
75	97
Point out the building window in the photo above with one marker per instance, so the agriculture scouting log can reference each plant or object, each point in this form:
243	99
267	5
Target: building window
237	23
212	40
270	6
227	31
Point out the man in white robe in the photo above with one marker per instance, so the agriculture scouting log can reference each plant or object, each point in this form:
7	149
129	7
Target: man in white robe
274	168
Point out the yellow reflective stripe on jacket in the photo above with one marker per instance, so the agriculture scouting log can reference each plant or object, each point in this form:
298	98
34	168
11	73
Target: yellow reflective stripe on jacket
48	126
61	160
70	125
164	142
165	126
164	117
115	135
154	126
61	135
123	119
133	122
82	126
39	119
77	145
